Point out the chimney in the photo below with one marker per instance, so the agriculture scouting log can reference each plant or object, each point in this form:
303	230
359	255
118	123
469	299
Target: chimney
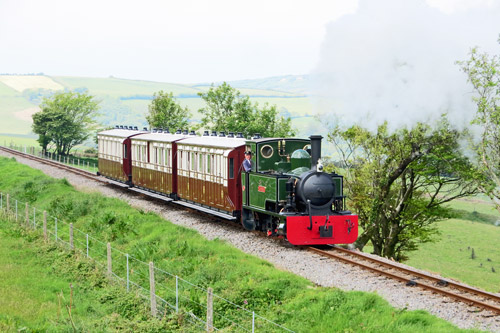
315	150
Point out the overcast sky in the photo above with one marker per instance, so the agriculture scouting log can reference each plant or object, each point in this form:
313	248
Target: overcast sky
174	41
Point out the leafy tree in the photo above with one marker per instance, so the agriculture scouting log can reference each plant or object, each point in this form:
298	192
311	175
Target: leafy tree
165	112
398	182
229	111
483	71
65	120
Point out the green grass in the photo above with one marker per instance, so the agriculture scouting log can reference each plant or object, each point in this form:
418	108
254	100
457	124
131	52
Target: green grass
11	104
245	280
451	256
42	284
17	140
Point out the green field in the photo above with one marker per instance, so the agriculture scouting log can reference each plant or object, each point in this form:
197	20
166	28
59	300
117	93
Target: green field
243	279
126	101
451	255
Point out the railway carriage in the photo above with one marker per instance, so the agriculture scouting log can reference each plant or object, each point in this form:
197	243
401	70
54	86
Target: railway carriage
154	161
114	152
208	172
286	193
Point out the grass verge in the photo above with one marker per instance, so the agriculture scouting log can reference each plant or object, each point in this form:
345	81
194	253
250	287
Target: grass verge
243	279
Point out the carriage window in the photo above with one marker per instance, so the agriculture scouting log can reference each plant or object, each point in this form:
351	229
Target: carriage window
193	161
208	163
200	166
125	151
231	168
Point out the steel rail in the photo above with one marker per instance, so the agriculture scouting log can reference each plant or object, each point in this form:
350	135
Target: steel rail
439	290
59	165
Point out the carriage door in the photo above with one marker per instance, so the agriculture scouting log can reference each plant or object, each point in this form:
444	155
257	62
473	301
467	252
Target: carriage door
127	160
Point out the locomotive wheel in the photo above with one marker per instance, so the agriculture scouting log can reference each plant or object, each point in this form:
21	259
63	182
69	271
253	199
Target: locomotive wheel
247	219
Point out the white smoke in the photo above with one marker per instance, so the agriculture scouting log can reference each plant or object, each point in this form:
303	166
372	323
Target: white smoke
396	60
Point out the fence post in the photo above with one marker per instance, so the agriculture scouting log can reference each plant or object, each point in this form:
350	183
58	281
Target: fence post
152	288
71	244
176	294
210	310
109	261
128	278
27	215
253	321
45	225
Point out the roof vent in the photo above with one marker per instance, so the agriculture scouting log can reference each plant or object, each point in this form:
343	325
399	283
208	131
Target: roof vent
192	133
145	129
135	128
239	135
257	136
121	126
155	130
222	134
214	133
117	126
205	133
166	130
230	135
125	127
160	130
185	132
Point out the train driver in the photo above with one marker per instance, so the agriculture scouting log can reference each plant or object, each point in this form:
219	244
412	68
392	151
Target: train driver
247	163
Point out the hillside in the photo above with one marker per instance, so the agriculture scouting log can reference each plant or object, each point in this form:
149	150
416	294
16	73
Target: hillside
126	101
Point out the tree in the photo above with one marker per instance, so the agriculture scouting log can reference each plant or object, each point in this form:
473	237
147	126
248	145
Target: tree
229	111
483	72
165	112
66	119
398	182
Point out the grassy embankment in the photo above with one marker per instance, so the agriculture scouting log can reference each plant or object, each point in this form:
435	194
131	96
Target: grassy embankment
45	289
245	280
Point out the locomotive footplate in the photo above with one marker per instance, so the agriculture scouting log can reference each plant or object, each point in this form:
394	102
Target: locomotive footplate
336	229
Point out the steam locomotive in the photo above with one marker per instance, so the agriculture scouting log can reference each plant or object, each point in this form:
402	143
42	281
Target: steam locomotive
286	192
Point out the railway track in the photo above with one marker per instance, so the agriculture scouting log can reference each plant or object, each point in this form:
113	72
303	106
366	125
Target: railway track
413	278
59	165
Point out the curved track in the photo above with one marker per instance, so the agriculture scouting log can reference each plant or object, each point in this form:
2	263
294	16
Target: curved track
414	278
410	277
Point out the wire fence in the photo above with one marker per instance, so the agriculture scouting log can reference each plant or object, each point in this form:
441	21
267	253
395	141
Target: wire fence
78	162
165	291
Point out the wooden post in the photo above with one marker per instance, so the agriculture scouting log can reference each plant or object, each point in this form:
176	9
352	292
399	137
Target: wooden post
27	213
45	225
71	244
152	292
109	261
210	310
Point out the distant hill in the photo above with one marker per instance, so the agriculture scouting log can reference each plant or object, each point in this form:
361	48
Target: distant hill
126	102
